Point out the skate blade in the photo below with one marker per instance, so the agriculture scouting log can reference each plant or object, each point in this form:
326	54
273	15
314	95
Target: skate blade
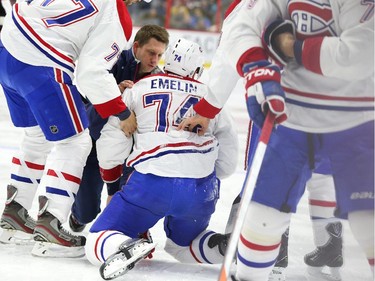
11	236
323	273
51	250
277	274
119	264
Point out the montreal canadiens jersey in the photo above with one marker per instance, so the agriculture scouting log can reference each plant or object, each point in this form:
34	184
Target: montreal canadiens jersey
334	88
160	102
82	37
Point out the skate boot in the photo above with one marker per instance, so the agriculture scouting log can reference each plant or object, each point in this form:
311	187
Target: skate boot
328	255
17	226
75	225
52	239
277	273
219	240
130	252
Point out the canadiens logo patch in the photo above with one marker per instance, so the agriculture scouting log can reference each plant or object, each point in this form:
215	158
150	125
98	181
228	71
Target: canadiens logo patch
312	18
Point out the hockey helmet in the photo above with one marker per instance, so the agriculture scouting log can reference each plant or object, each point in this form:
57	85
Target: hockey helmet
184	58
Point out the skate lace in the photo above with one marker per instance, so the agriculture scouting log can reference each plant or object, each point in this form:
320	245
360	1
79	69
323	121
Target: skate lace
29	218
315	252
67	232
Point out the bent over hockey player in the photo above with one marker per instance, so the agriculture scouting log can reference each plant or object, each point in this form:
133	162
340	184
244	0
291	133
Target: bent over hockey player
176	172
41	42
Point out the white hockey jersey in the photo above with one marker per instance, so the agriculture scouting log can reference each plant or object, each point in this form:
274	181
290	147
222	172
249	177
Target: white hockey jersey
80	37
334	89
160	101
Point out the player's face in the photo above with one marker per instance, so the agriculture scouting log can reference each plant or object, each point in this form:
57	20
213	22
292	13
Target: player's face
149	54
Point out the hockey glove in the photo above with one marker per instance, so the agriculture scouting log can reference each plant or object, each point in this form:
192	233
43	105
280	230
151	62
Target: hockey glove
269	39
263	91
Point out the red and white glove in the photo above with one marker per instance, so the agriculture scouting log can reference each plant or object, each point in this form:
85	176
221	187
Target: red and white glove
263	91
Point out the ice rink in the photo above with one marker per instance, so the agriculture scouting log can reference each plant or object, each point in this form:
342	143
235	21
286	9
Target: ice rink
17	264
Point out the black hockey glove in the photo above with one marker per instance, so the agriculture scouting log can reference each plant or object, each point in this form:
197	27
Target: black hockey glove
269	39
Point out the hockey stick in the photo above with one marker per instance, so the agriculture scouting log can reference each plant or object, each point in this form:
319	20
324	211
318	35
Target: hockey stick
248	186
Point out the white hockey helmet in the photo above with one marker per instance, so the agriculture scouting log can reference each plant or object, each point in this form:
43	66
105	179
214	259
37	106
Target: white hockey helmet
184	58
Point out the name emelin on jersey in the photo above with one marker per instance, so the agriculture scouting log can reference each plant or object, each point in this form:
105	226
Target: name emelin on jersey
171	84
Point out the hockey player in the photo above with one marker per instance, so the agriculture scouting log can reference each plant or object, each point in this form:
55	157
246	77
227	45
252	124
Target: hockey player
175	175
42	44
328	88
133	64
320	187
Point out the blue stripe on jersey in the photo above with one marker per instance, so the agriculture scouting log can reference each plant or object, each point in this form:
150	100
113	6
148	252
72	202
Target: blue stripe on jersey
201	246
56	191
40	48
330	107
255	264
21	179
182	151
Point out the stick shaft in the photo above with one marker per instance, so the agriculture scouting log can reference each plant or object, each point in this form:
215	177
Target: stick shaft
248	186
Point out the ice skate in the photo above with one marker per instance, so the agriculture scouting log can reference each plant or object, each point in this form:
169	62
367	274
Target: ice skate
17	226
278	271
324	262
130	252
75	225
52	240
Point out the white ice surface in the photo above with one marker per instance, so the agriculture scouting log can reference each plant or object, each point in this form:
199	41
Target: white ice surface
17	264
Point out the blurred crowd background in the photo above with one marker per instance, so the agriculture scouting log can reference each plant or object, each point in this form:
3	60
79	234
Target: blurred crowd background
202	15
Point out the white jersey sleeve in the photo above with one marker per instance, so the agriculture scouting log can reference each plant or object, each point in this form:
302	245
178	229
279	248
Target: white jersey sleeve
99	53
350	55
112	147
226	134
240	32
61	34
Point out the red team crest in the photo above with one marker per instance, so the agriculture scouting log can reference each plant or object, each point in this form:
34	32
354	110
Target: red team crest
312	18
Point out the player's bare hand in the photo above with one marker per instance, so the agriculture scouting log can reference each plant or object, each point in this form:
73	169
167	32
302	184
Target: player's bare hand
129	125
196	123
285	41
125	84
